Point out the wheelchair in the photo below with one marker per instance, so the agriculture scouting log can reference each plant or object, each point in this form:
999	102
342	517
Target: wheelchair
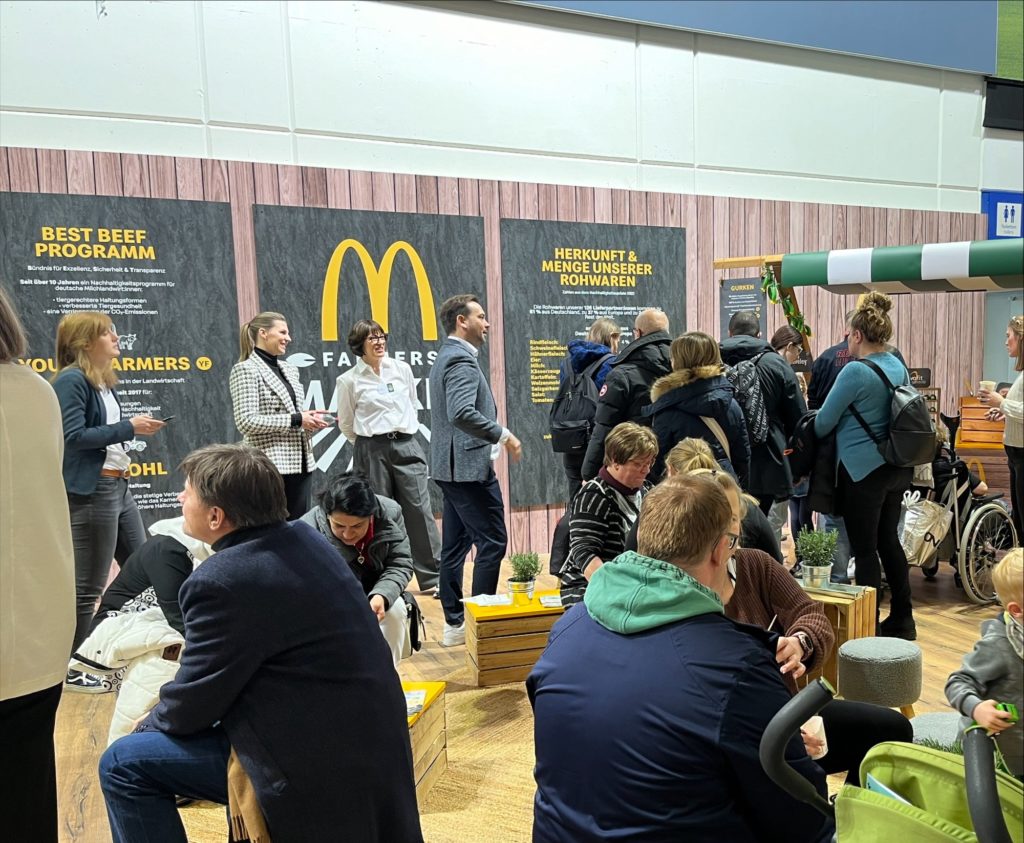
980	534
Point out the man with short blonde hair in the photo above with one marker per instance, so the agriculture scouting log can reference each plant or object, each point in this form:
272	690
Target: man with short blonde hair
649	704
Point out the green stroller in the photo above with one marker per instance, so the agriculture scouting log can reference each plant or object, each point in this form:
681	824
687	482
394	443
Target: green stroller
948	797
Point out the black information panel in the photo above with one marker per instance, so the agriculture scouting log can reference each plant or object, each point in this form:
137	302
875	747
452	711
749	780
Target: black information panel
557	278
738	294
164	271
326	269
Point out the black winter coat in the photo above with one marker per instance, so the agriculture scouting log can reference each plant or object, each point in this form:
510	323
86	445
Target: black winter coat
784	404
679	403
626	392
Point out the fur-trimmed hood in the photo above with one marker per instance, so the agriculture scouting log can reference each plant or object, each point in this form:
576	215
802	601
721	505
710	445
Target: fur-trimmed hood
682	378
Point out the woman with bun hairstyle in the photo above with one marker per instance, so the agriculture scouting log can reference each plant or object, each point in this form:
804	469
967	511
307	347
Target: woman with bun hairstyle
869	491
267	398
1010	407
696	400
105	522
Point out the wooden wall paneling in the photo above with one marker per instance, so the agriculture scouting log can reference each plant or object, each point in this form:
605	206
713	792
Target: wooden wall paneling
268	191
135	175
892	228
162	184
469	197
24	170
508	200
620	206
655	208
109	177
53	171
242	190
853	226
917	227
529	201
906	228
866	235
721	247
82	174
637	207
565	202
382	186
338	195
314	187
688	220
405	193
585	204
603	204
5	173
188	173
215	181
705	276
547	202
839	217
447	195
426	194
289	183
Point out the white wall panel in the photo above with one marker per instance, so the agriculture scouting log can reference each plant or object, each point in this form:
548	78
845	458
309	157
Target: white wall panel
246	64
488	90
139	59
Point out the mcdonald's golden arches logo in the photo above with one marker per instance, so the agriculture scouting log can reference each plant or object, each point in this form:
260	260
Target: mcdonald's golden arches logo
378	284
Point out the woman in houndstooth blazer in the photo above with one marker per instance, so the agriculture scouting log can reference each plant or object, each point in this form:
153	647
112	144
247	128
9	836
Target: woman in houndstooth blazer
267	398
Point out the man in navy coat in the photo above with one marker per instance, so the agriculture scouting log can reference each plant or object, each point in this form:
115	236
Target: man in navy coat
464	431
283	662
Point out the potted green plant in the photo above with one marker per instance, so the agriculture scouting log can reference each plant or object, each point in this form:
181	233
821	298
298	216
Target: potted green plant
815	549
525	567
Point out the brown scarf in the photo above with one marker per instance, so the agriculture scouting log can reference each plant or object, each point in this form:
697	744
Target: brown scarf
247	823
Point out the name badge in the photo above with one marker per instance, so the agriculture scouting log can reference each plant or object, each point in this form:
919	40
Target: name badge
391	387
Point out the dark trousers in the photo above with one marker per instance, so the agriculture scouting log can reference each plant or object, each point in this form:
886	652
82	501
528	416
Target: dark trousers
28	777
297	489
800	515
474	514
765	503
573	465
1015	460
871	508
105	525
397	469
852	728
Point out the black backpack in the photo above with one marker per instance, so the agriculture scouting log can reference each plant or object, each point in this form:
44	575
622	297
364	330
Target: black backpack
747	386
911	439
572	415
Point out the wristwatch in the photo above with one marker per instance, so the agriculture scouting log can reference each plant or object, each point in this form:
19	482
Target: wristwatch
805	644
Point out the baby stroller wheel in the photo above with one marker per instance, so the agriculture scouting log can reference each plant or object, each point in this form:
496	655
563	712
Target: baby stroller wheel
988	536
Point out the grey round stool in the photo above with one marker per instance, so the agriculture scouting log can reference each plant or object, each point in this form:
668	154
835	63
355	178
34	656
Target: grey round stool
883	671
942	727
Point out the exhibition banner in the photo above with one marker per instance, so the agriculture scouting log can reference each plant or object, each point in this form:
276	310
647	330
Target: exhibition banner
164	271
557	278
326	269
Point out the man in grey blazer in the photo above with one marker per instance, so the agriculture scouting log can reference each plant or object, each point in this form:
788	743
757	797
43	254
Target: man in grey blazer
464	438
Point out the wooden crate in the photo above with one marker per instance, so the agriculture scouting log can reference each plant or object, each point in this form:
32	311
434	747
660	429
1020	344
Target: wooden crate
979	443
851	611
504	642
428	735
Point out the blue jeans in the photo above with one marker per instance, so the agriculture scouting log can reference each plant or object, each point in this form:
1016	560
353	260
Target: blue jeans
140	775
473	515
105	525
841	557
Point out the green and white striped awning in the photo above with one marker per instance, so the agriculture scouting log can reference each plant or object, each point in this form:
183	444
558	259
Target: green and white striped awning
929	268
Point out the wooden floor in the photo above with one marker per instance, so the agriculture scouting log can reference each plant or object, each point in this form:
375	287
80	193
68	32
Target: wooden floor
947	627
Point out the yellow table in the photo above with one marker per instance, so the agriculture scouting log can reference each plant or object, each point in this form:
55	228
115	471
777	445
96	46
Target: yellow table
429	737
504	642
851	611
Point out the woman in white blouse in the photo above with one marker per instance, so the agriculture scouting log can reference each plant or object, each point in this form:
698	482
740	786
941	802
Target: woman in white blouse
377	413
1011	408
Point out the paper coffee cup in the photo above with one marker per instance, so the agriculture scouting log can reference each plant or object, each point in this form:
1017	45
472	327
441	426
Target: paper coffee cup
815	727
988	386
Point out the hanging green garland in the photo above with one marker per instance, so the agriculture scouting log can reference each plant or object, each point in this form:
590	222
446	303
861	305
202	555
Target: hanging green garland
770	286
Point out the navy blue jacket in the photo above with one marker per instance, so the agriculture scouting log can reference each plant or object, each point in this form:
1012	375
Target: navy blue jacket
581	354
86	432
282	648
679	403
653	737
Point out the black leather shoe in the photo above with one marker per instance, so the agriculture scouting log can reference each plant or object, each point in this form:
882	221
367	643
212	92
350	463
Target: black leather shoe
904	628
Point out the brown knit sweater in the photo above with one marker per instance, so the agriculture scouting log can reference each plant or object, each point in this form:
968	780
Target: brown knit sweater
765	589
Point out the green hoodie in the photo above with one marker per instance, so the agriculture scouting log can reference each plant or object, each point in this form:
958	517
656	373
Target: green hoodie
635	593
